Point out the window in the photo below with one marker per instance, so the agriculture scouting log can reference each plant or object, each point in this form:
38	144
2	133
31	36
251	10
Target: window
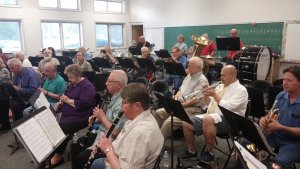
109	34
8	2
64	4
10	36
108	6
61	35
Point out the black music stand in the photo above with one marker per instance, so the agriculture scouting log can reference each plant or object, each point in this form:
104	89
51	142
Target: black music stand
230	43
174	68
14	98
64	60
146	63
126	62
247	129
135	50
162	53
174	108
102	62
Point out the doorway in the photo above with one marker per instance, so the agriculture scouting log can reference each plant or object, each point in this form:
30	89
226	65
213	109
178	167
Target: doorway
137	31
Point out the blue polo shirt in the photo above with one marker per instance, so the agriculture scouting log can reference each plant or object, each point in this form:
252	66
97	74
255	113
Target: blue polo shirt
289	116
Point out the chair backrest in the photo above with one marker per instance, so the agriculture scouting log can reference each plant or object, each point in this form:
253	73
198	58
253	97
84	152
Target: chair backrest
257	107
262	85
272	95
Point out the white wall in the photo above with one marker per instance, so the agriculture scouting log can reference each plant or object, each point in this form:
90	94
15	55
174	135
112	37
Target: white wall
31	15
161	13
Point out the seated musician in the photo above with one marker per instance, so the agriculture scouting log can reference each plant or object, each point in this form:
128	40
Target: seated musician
87	56
192	83
54	86
284	133
141	71
47	58
176	80
233	54
25	81
116	81
84	65
4	110
232	96
75	106
181	45
139	143
21	56
106	53
142	43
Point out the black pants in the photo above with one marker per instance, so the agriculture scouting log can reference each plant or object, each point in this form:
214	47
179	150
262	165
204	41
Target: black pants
81	159
4	110
69	129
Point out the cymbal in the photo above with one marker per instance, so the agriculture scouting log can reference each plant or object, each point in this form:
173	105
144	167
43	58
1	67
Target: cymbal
207	56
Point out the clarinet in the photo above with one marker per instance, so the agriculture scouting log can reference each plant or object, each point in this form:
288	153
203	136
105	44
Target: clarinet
109	132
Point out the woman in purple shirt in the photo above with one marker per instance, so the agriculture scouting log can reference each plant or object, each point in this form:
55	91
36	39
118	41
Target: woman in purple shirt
75	106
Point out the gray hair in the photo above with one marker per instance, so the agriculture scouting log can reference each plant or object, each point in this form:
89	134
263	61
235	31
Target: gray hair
122	76
197	61
14	62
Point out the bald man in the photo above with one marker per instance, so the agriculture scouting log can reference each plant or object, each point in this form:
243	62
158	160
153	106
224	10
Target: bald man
231	54
25	62
230	95
142	43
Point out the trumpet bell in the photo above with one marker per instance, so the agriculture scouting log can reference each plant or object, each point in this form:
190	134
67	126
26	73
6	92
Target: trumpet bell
199	40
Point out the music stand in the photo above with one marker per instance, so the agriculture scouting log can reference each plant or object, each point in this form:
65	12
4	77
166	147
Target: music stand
162	53
126	62
135	50
230	43
64	60
102	62
174	68
146	63
36	95
13	97
247	129
174	108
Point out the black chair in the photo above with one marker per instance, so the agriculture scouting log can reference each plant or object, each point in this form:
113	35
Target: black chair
272	95
262	85
257	106
160	86
278	83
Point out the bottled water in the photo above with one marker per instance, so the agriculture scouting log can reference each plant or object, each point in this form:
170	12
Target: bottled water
165	160
75	138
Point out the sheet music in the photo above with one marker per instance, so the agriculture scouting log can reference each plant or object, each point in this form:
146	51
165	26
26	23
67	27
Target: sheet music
41	101
251	161
50	126
35	139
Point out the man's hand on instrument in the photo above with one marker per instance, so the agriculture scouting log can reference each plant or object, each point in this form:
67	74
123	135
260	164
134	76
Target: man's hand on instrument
98	113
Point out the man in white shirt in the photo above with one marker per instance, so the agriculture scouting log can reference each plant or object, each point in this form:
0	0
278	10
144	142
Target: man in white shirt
21	56
230	95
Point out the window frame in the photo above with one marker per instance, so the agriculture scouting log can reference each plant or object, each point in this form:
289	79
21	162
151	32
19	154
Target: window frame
110	12
21	33
59	8
109	35
11	5
61	31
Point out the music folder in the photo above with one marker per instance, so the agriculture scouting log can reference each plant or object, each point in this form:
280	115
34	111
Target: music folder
174	107
146	63
249	130
162	53
230	43
126	62
40	133
174	68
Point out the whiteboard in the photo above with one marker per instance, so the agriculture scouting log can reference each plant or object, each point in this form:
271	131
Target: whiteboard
292	49
156	36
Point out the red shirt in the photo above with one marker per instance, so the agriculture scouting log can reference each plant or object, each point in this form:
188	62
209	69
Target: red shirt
230	53
208	49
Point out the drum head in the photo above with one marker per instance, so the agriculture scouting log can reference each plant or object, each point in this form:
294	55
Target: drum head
264	64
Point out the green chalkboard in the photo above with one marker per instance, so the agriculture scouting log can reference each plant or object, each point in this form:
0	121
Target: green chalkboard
260	34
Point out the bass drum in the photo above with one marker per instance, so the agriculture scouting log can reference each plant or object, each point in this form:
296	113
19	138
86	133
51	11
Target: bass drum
254	63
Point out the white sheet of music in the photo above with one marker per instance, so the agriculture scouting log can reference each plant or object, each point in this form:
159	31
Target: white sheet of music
35	138
41	101
48	122
251	161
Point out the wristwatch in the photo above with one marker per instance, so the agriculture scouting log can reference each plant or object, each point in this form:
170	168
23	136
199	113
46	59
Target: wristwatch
107	150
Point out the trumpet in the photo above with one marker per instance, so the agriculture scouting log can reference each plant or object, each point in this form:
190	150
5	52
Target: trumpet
273	113
198	94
